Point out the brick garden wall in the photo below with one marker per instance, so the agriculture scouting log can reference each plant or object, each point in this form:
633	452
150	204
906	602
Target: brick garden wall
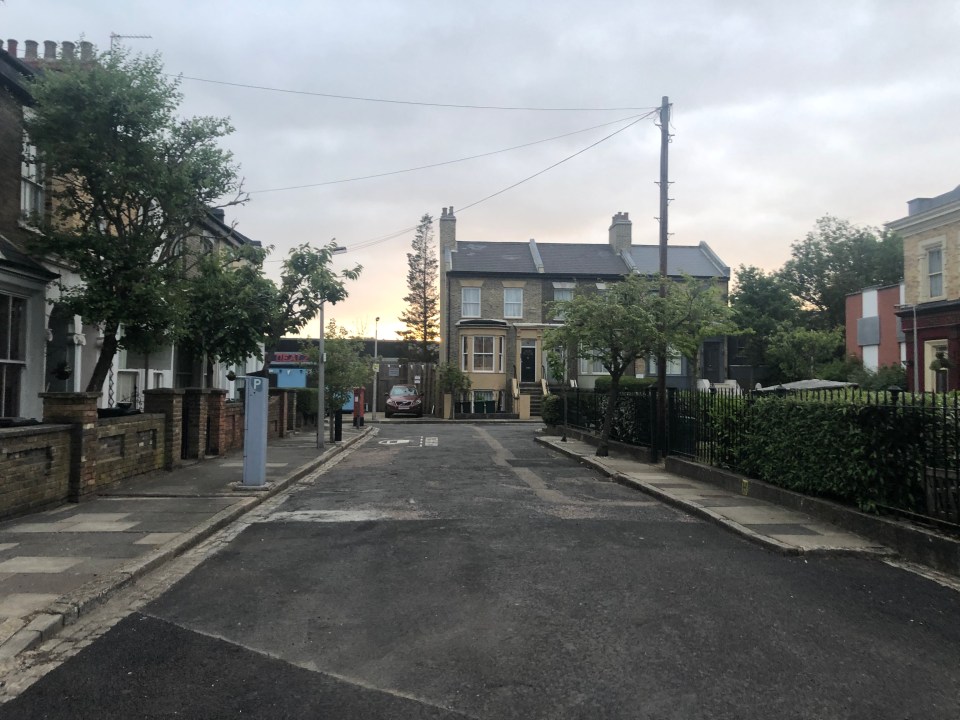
231	431
34	467
129	446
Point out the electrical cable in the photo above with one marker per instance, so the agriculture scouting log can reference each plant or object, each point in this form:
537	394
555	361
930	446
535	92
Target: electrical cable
441	164
408	102
370	243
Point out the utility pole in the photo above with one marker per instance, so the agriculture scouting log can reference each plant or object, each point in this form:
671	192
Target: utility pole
661	443
376	365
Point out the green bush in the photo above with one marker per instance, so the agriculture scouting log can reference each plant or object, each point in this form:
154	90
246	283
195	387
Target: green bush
552	410
627	384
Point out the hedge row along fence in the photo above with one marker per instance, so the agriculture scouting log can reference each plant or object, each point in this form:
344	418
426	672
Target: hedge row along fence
876	450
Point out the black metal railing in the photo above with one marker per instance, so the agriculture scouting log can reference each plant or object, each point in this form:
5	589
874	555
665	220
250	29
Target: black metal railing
888	450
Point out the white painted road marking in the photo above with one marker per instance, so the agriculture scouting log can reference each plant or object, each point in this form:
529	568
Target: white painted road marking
394	442
432	442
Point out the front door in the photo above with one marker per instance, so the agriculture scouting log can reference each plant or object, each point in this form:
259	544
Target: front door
528	361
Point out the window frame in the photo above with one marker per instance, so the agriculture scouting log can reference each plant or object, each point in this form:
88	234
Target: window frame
516	306
32	190
13	352
557	291
589	363
930	273
469	353
674	362
464	303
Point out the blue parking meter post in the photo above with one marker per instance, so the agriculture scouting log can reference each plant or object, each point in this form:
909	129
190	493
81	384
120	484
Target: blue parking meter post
256	400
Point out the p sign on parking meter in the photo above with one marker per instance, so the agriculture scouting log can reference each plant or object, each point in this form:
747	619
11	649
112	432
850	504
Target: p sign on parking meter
256	397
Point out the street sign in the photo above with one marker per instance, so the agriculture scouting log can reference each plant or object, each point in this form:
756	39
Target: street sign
376	367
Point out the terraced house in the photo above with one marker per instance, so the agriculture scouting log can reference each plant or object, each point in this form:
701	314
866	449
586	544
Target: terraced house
495	299
930	314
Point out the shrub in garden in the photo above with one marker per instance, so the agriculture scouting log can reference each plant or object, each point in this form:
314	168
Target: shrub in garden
552	410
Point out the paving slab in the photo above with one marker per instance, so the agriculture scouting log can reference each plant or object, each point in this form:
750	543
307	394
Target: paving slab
59	563
778	528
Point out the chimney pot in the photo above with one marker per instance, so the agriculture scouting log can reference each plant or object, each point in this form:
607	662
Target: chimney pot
49	50
67	50
30	51
12	47
86	50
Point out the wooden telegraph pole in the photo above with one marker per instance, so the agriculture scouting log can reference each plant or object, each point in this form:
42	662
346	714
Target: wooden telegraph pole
660	445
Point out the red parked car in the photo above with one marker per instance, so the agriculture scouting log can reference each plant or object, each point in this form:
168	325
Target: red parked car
405	399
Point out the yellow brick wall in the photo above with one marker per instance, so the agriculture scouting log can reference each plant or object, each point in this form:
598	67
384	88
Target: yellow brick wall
912	268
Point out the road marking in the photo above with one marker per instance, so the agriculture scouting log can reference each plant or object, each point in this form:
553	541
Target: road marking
432	442
394	442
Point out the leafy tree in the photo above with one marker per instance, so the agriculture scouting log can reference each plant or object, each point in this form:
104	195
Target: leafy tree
836	259
451	379
228	305
762	304
798	352
422	316
630	320
128	176
306	281
346	367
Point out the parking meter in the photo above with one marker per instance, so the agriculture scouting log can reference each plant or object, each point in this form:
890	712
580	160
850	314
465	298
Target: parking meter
256	403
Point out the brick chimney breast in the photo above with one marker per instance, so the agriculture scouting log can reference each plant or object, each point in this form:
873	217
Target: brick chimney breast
448	230
621	232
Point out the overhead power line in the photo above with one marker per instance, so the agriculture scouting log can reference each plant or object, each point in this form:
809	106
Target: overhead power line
398	233
445	162
360	98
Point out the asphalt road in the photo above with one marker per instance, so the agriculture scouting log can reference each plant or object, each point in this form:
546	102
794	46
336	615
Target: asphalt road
463	571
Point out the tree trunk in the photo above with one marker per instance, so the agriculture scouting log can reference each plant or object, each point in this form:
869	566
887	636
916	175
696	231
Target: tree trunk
102	368
603	448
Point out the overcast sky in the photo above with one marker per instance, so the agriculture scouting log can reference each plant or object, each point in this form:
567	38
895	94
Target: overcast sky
782	113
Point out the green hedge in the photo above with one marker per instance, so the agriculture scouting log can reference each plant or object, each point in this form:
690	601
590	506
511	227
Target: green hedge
863	454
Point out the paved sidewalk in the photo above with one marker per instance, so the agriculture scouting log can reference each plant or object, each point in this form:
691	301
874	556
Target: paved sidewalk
777	528
58	564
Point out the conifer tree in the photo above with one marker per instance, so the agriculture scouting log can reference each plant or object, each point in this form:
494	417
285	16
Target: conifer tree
422	315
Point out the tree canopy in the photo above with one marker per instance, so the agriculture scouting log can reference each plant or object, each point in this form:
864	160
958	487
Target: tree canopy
422	314
762	303
228	305
836	259
629	320
128	178
306	281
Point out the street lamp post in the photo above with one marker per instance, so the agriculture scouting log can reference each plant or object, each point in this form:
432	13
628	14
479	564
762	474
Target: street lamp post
376	365
321	414
321	410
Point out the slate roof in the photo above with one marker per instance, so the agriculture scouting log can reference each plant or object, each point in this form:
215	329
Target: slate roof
694	260
494	257
582	259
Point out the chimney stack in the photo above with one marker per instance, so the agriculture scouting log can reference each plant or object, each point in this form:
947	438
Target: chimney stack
86	50
31	50
68	49
49	50
448	230
12	47
621	232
